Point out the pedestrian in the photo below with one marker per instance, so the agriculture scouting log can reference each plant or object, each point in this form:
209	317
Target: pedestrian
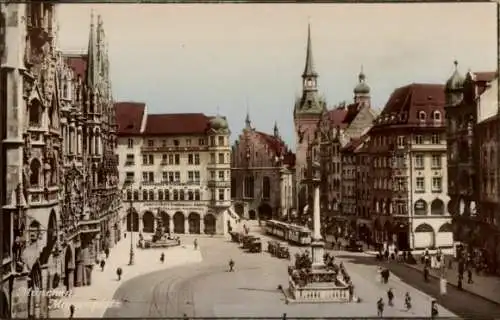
231	265
119	273
106	252
124	235
379	275
434	309
351	291
162	257
71	311
459	283
195	244
407	301
426	273
380	307
284	316
103	263
390	297
469	276
185	317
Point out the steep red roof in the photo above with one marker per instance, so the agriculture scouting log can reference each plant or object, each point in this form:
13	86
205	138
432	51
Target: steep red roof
352	145
352	111
405	104
337	116
273	143
176	124
77	62
129	117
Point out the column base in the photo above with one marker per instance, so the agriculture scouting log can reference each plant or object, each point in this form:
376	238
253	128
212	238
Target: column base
317	251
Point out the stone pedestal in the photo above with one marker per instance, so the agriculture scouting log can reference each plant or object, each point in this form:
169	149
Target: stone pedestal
317	251
317	293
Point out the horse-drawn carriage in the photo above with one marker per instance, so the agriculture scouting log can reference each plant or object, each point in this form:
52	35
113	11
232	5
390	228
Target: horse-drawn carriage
236	236
247	240
278	249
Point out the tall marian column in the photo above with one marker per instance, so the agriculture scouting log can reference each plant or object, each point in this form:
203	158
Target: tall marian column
317	244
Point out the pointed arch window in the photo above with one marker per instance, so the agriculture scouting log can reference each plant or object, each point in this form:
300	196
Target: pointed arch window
197	195
35	173
167	195
160	195
144	195
176	195
249	187
129	195
190	195
266	188
181	195
136	195
151	195
35	113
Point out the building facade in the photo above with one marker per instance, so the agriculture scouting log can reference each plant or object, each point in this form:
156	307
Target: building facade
408	150
471	111
262	175
336	129
40	238
175	168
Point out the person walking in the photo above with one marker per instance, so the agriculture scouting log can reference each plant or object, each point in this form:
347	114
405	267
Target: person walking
426	273
162	257
380	307
103	263
231	265
407	301
390	297
106	252
469	276
71	311
195	244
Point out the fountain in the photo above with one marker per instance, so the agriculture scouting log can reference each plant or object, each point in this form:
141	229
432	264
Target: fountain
313	280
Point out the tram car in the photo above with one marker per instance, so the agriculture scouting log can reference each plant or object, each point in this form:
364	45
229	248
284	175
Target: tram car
289	232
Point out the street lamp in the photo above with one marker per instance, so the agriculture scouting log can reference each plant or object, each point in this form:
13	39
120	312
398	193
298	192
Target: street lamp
131	208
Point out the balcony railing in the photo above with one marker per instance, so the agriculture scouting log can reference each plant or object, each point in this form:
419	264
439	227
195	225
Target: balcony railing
219	184
174	149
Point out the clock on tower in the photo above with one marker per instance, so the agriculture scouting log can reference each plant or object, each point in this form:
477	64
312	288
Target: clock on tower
310	83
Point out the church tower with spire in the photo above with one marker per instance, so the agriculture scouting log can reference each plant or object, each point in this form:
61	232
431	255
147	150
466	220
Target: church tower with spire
307	112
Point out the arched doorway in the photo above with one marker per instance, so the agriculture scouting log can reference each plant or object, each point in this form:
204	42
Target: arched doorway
69	268
402	232
179	222
265	212
194	223
209	221
424	236
132	220
252	215
444	237
165	220
148	222
4	306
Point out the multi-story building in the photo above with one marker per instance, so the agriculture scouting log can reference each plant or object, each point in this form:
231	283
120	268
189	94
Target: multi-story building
262	175
31	156
355	177
363	186
408	149
471	107
336	129
43	240
91	199
177	169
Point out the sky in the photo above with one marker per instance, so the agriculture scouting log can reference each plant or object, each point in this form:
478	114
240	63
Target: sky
230	58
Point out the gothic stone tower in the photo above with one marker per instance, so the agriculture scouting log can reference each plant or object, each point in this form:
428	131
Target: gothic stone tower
307	113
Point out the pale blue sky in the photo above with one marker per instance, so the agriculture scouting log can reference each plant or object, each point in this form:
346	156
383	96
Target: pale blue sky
205	57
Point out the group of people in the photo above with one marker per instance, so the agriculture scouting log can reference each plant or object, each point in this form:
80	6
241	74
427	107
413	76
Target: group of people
407	304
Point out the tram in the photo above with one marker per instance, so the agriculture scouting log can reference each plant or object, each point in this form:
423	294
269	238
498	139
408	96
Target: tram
289	232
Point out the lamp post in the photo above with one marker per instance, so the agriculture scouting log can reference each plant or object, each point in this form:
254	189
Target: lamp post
131	210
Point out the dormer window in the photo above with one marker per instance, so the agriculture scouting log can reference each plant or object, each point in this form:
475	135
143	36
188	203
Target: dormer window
436	116
421	115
